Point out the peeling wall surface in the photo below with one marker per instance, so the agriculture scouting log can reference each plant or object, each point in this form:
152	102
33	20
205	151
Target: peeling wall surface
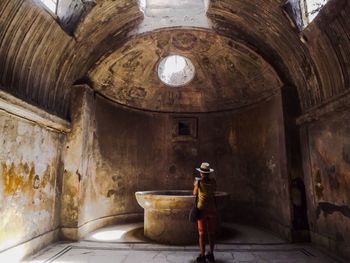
137	151
327	171
30	162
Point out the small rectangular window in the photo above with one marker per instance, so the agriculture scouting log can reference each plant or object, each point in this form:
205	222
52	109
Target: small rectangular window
184	128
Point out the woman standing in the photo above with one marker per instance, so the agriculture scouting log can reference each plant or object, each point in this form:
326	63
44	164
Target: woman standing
206	187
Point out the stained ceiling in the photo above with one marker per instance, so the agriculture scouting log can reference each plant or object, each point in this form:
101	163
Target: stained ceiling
228	74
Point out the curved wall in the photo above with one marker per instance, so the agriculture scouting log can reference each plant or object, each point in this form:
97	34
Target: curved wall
136	151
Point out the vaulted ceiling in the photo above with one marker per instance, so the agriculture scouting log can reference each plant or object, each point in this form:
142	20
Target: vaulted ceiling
41	61
228	75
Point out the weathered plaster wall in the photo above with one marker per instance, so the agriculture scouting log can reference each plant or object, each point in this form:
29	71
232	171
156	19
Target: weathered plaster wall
327	174
136	150
77	161
261	187
30	165
325	128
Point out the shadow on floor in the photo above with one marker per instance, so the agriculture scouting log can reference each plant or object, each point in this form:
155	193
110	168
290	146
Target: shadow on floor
136	234
229	233
226	234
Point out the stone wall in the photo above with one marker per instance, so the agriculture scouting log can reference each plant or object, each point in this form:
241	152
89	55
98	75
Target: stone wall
30	159
325	129
327	175
260	187
136	150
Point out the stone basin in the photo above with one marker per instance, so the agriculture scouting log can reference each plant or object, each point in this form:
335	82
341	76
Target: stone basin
166	215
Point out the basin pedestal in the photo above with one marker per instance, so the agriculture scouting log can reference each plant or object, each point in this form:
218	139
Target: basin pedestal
166	216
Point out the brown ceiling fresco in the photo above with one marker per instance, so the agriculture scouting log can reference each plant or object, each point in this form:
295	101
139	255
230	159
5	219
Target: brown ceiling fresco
228	74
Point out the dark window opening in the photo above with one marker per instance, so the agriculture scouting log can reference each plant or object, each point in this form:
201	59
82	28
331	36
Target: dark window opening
184	129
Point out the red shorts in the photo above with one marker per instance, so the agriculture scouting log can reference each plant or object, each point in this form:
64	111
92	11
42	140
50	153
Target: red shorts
206	222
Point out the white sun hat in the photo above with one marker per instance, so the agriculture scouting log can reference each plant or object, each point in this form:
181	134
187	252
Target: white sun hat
205	168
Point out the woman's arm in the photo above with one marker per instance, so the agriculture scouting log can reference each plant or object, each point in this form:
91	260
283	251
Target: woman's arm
195	187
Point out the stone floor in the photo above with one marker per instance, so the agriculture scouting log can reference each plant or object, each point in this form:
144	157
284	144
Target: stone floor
126	244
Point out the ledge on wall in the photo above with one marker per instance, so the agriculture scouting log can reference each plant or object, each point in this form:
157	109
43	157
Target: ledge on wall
337	103
20	109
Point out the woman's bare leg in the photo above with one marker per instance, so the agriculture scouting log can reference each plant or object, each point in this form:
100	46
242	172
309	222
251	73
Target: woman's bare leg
202	243
211	242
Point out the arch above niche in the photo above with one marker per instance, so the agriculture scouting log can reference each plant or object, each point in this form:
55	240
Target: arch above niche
229	75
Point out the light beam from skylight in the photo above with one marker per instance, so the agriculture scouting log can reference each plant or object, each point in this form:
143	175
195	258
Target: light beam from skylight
142	5
313	7
50	4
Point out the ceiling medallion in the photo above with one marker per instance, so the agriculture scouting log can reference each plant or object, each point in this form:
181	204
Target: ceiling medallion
176	71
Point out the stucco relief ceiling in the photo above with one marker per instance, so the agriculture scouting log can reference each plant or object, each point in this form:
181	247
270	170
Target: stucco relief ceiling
228	74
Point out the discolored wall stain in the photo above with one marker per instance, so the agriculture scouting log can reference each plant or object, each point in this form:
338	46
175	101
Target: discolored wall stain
328	178
346	153
172	169
318	185
17	178
29	159
328	209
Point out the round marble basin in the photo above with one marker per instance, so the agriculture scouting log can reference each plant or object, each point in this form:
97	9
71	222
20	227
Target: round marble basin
166	215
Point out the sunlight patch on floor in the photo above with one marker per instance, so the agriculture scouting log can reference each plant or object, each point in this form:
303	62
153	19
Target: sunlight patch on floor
108	235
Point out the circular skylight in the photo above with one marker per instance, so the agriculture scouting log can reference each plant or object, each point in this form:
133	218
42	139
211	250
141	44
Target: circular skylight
176	71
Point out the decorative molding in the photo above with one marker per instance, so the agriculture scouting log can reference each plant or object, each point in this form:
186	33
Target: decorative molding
23	110
340	102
